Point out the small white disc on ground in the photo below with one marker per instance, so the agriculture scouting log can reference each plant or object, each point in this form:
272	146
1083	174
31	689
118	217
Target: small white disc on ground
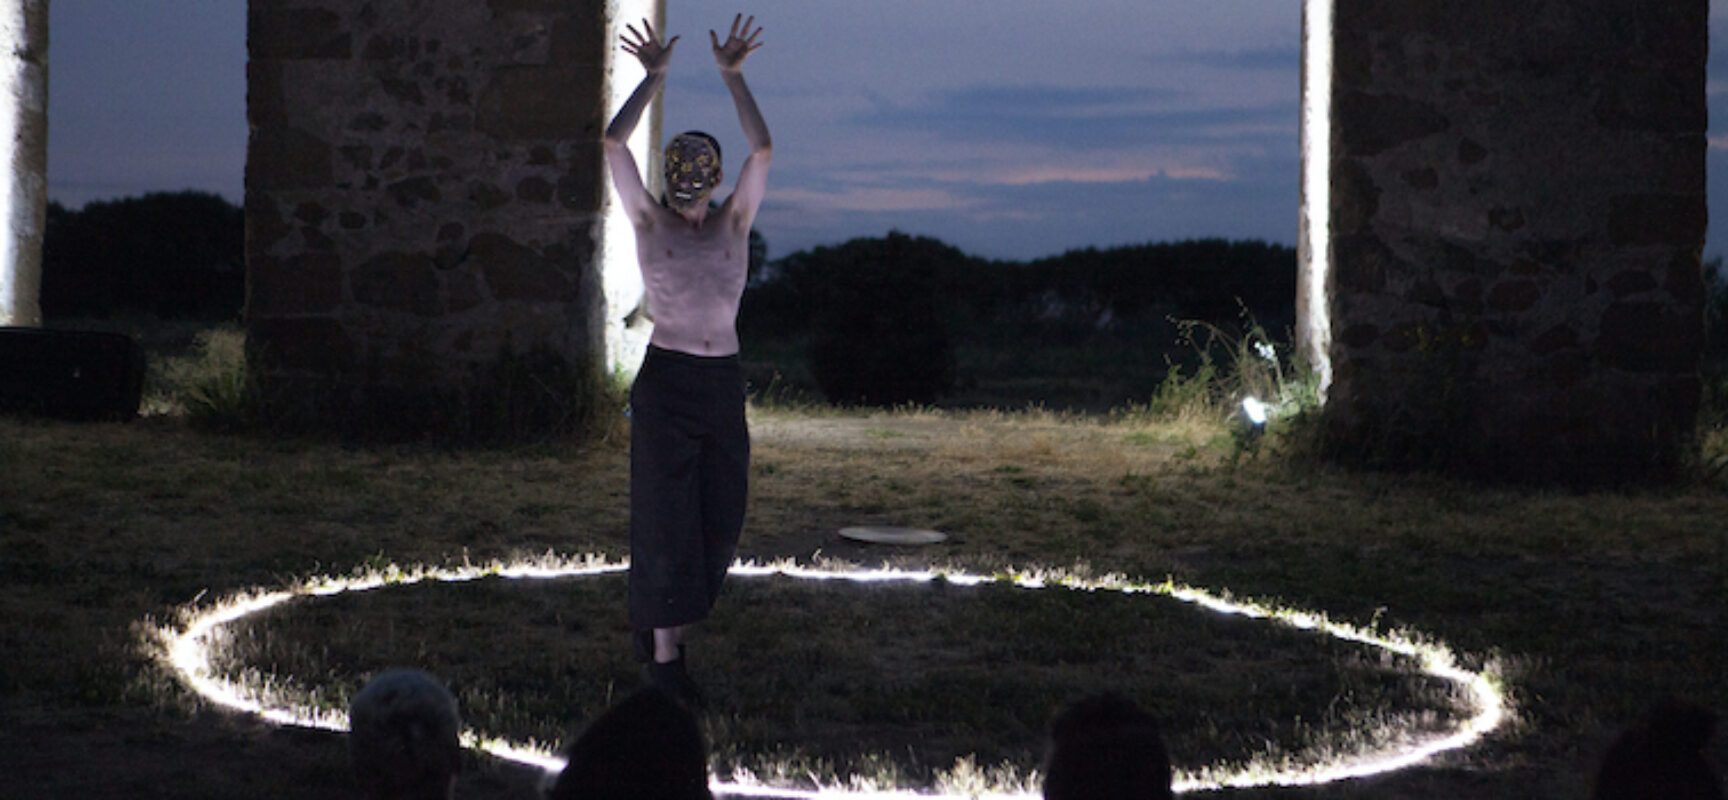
885	534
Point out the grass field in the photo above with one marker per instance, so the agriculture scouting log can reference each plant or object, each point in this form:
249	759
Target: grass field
1586	608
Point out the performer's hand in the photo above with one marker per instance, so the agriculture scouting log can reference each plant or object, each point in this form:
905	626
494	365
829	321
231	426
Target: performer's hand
646	47
740	43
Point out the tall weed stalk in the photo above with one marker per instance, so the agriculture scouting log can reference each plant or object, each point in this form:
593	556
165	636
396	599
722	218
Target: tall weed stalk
210	383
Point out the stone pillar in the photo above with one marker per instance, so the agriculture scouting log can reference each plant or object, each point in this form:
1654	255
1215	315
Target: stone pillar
424	187
1517	215
628	325
1313	222
24	143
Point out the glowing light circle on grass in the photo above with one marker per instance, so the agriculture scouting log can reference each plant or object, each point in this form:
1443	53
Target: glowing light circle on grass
187	652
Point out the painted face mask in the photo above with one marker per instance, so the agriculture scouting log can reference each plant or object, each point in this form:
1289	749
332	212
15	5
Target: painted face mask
692	171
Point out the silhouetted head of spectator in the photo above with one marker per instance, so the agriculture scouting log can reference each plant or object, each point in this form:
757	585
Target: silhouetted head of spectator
1105	746
403	737
647	747
1661	758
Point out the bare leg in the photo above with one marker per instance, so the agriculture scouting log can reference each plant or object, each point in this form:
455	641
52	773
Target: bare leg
666	644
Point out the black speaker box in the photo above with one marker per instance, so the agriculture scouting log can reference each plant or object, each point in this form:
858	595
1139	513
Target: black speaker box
77	375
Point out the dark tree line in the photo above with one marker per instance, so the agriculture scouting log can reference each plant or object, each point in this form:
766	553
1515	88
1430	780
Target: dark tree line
1209	280
178	255
882	315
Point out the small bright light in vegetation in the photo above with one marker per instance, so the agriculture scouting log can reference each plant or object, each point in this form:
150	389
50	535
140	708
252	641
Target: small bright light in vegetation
188	651
1254	410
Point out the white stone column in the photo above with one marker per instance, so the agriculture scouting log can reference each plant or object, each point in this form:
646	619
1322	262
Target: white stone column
24	149
1314	240
627	322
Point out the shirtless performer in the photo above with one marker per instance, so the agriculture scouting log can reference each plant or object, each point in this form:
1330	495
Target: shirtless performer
689	448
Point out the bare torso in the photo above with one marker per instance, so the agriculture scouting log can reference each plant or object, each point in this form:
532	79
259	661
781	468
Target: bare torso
695	276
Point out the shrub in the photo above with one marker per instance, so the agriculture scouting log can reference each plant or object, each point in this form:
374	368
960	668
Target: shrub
880	323
213	388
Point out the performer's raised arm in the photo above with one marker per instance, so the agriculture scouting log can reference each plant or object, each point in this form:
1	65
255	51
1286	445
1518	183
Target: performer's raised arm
753	177
655	58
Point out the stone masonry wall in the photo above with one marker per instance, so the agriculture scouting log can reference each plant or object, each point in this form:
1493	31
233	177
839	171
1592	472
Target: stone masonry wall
423	193
1518	213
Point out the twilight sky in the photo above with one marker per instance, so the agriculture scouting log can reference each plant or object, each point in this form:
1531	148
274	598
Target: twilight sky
1009	128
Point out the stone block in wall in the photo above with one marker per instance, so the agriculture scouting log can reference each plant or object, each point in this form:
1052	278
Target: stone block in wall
308	285
290	31
287	158
532	102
